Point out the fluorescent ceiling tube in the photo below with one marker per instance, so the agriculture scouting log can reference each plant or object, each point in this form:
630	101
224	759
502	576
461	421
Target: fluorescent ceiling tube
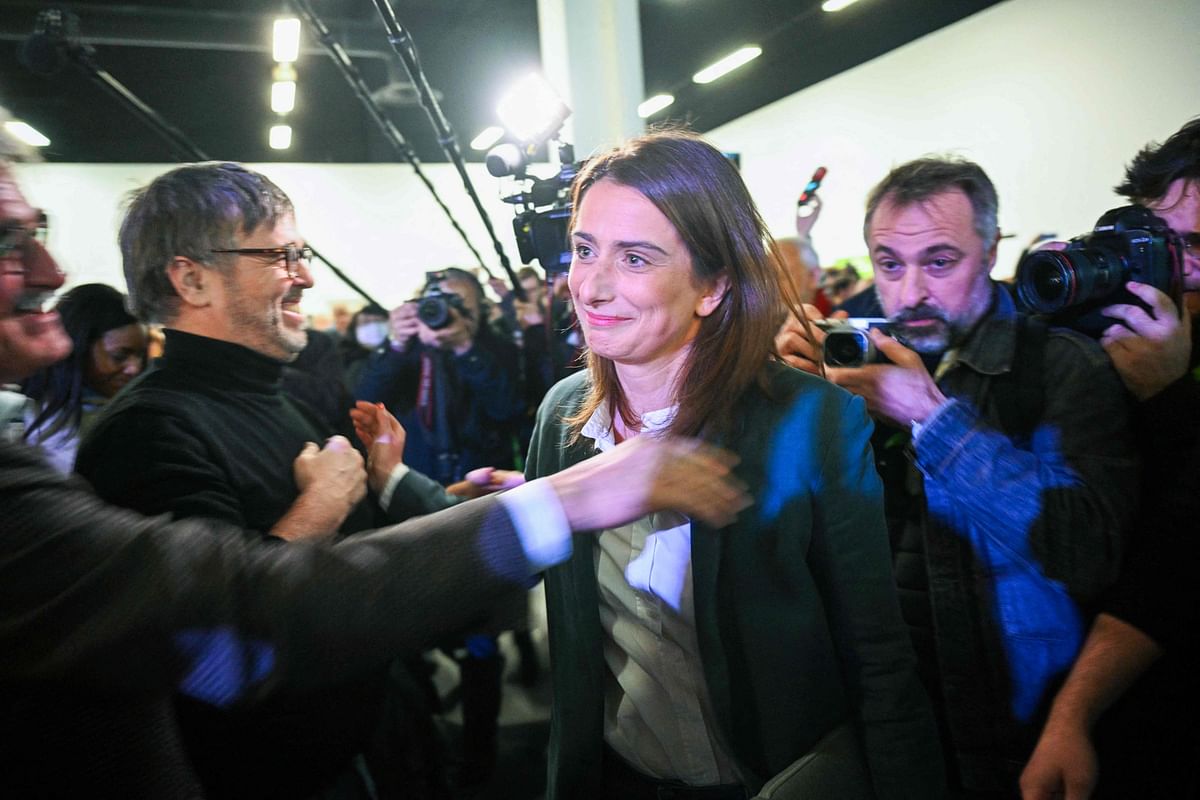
286	40
836	5
280	137
487	137
727	64
654	104
26	133
283	96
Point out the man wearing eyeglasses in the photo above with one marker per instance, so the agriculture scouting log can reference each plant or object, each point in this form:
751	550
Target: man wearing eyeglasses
1154	609
106	611
212	251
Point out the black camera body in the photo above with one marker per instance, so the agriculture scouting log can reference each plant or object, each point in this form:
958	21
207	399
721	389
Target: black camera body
434	306
848	343
542	236
1071	286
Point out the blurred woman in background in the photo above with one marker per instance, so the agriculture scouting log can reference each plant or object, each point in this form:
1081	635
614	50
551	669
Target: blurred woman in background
367	331
108	351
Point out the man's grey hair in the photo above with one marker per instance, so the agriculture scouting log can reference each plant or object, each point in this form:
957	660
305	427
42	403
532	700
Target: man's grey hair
189	212
919	180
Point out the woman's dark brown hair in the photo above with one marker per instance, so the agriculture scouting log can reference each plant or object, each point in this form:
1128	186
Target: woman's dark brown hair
702	194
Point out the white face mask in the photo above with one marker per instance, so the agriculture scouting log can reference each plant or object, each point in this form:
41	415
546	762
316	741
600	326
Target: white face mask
371	334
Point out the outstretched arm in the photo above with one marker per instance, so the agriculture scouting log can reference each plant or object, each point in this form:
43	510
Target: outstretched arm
145	603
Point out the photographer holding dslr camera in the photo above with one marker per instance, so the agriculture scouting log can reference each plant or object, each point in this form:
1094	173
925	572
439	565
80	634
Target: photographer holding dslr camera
1148	743
1007	466
450	380
455	386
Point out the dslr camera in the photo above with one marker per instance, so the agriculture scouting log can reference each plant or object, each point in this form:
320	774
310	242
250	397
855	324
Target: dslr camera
1071	286
434	306
847	343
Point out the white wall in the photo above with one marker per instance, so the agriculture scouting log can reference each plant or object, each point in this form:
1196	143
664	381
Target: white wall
377	222
1051	97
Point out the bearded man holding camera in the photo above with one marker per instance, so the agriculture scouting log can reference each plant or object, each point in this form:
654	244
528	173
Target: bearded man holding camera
1008	468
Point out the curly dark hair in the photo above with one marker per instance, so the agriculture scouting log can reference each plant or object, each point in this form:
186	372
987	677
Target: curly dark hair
1157	166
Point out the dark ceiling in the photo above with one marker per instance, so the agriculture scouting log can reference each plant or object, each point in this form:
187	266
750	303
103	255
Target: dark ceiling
204	66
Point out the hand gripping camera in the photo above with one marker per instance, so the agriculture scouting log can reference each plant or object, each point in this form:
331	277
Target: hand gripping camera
848	343
1071	286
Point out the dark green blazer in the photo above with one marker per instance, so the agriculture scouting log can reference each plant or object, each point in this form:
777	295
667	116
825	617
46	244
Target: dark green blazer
796	613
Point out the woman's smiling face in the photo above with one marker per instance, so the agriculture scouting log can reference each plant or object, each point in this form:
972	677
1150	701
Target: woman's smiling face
632	280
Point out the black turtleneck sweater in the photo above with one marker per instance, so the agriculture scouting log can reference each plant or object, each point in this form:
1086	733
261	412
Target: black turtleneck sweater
207	432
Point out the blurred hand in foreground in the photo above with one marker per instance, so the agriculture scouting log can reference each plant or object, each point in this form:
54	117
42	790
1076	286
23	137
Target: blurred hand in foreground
647	474
486	480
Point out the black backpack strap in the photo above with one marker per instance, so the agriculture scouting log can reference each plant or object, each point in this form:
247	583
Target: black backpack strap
1020	393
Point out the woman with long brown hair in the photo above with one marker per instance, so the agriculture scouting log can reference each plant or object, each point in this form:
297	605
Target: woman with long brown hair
700	661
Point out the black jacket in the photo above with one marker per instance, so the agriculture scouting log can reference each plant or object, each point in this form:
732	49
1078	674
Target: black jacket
104	612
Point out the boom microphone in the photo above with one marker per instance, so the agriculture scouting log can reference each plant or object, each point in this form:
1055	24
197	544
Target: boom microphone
44	52
811	188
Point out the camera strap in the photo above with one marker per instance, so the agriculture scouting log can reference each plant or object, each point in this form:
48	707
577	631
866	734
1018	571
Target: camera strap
1020	392
435	409
425	398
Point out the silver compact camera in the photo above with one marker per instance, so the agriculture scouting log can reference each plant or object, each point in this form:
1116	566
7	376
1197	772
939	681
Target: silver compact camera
847	343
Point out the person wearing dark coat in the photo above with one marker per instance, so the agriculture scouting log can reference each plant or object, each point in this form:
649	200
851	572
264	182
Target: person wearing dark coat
688	664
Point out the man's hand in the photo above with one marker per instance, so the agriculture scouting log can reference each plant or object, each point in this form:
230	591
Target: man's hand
1150	350
1063	765
501	288
647	474
383	436
486	480
793	345
331	481
901	392
403	325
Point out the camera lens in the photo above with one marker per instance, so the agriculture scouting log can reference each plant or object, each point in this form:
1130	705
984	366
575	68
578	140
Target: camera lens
434	312
1050	281
1047	281
846	348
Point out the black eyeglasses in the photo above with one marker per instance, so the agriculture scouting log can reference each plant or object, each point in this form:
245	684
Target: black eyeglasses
291	254
15	239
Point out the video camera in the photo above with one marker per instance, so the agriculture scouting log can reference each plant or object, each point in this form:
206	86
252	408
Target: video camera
847	343
1071	286
434	305
541	223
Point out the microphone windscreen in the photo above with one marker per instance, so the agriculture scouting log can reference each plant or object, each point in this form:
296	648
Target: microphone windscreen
42	54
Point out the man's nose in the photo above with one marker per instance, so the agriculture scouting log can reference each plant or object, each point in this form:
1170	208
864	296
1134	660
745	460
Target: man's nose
912	287
301	274
42	271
